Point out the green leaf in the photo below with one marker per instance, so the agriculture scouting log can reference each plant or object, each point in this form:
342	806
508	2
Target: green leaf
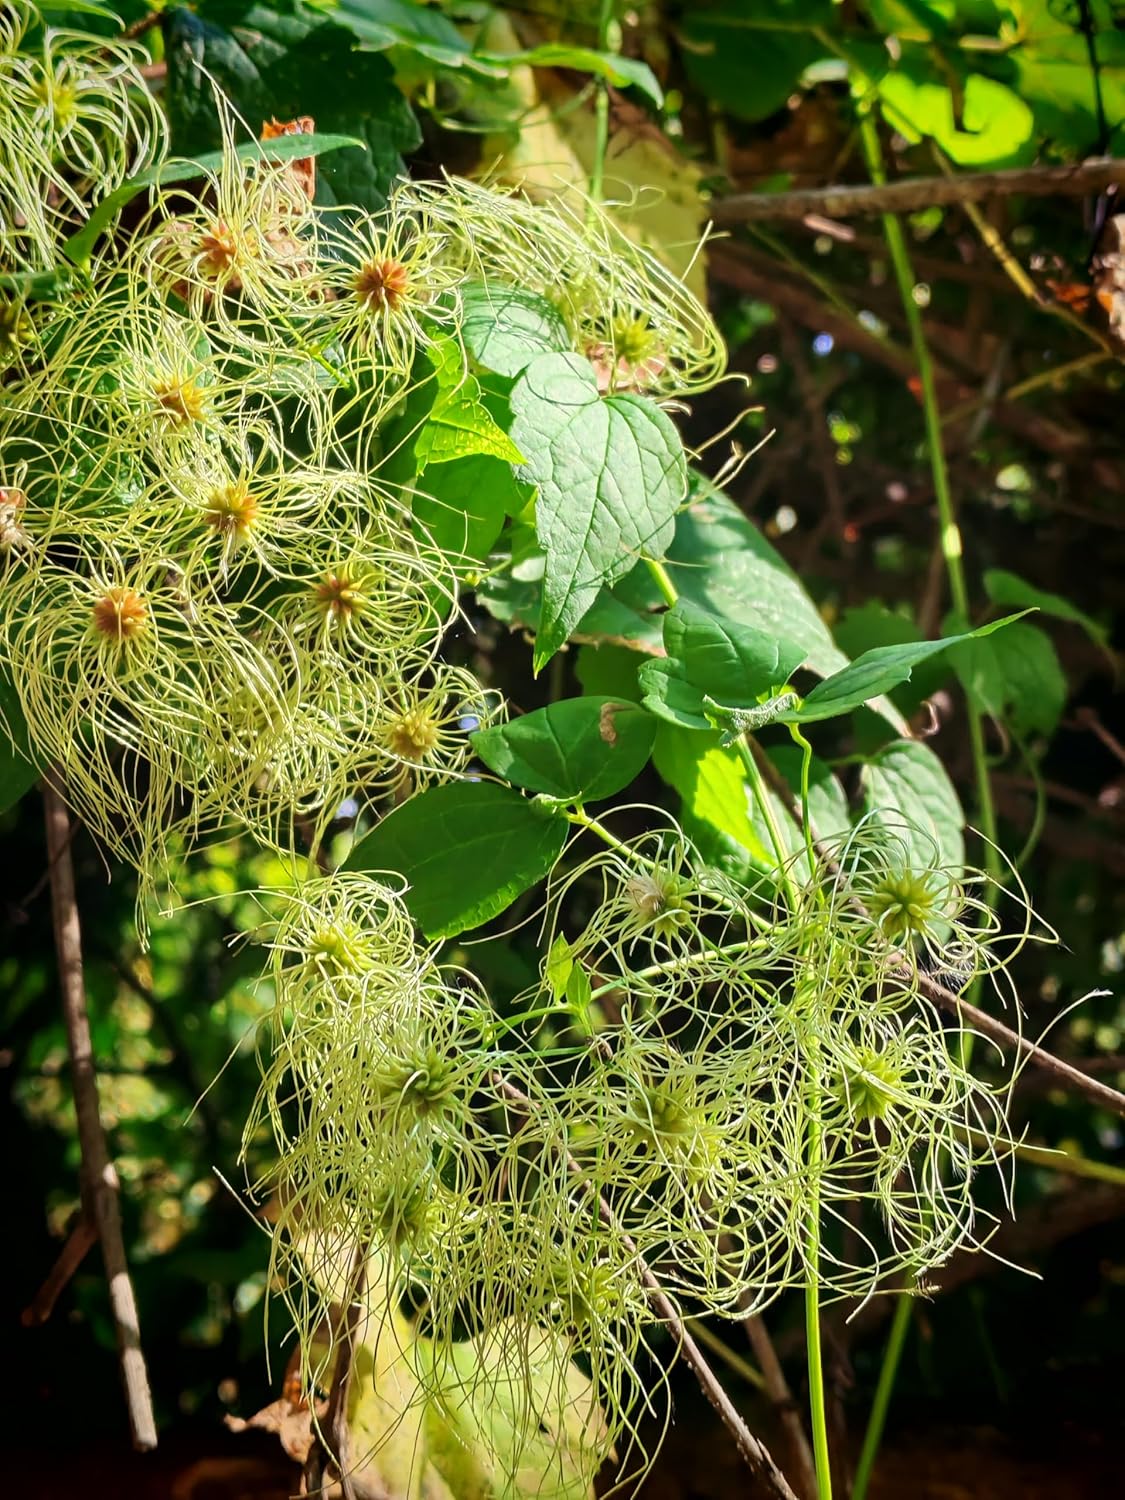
382	24
504	328
720	560
37	286
611	474
18	770
279	65
1050	69
467	850
1006	588
715	803
445	418
875	672
906	781
622	72
749	58
462	503
579	750
872	624
987	125
79	247
498	1426
709	656
1015	678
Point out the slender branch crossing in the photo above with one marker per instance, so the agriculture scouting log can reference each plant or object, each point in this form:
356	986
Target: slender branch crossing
865	200
100	1187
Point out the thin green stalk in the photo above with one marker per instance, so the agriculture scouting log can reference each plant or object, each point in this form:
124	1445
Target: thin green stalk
762	801
951	547
581	819
872	1438
817	1417
663	580
601	108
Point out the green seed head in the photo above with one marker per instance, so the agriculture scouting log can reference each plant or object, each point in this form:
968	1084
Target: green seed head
904	903
658	900
870	1084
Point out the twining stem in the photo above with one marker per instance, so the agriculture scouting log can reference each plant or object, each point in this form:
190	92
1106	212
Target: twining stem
873	1437
760	793
947	518
100	1186
761	796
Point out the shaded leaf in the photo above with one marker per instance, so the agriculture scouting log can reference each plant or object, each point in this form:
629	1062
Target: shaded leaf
1016	678
1006	588
18	770
622	72
721	560
906	781
749	58
467	849
461	504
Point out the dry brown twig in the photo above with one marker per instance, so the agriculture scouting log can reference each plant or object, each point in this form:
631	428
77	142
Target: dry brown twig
100	1187
913	193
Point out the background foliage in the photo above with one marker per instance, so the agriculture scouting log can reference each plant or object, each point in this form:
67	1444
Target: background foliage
826	536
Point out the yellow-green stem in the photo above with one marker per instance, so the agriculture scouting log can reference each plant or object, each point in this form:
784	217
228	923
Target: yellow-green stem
947	518
872	1438
601	108
817	1417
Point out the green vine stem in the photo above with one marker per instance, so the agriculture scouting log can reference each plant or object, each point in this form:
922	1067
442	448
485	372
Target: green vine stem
761	795
873	1436
951	546
601	107
817	1414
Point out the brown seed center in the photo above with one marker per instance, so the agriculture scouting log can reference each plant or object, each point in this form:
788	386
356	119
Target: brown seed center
381	284
217	250
339	595
120	615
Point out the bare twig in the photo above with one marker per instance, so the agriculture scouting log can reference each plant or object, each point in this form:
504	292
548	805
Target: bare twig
1088	719
100	1188
754	1454
81	1240
336	1415
1065	1073
913	193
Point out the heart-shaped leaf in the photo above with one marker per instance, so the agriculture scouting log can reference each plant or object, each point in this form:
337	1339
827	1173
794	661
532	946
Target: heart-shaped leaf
611	474
467	850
